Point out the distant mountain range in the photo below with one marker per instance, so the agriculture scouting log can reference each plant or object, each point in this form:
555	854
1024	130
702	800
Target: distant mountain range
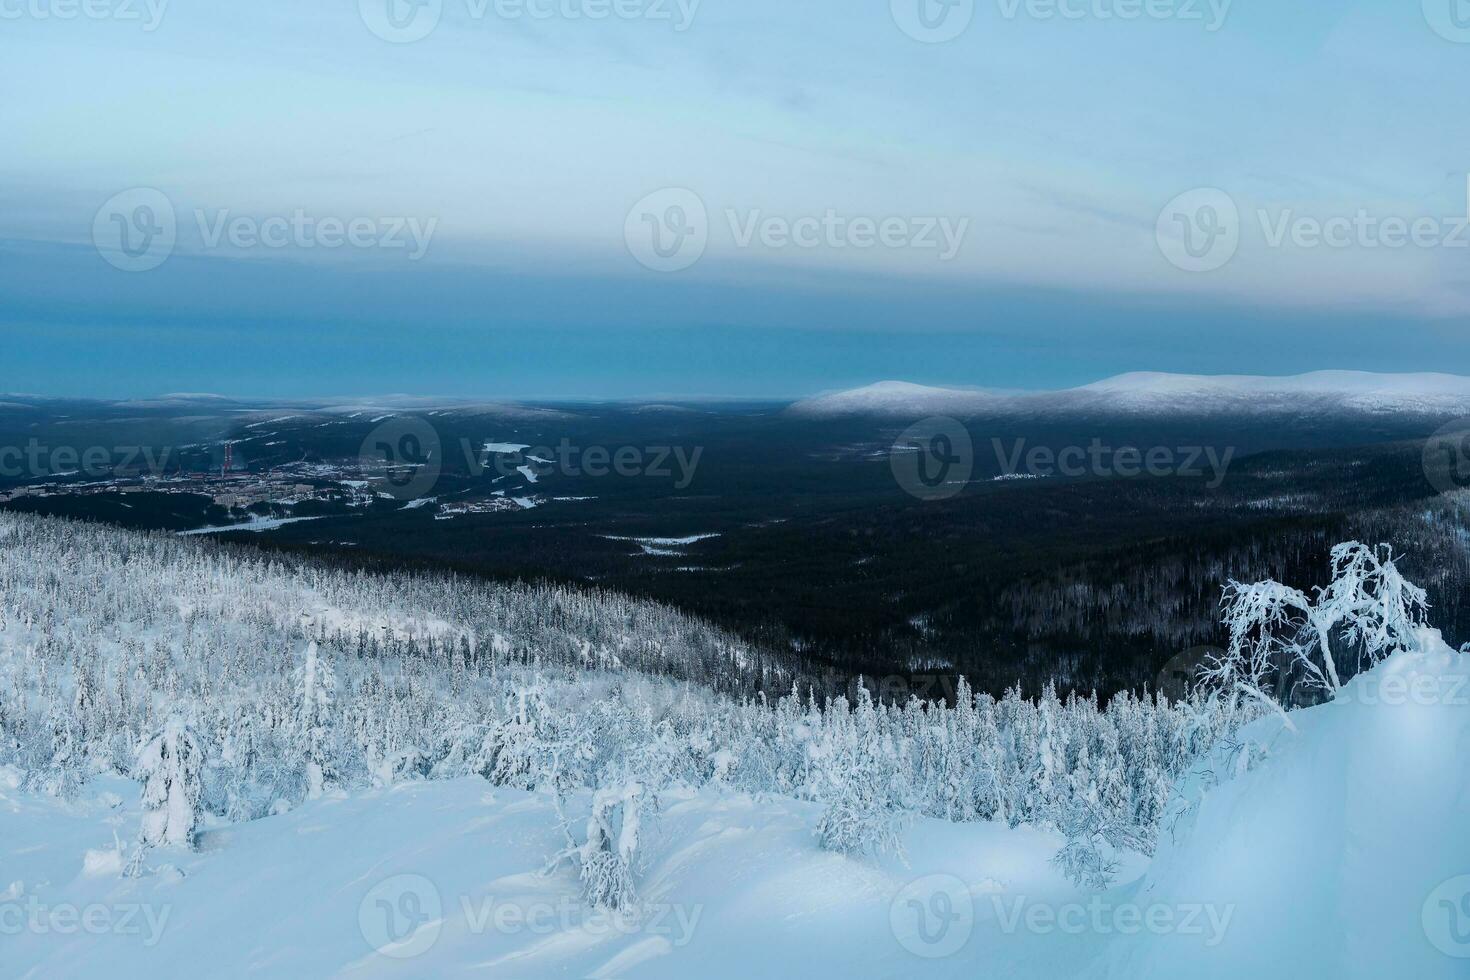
1149	394
386	406
1138	394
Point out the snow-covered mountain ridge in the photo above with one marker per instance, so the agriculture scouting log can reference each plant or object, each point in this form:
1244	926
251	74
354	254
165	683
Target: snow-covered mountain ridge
1152	393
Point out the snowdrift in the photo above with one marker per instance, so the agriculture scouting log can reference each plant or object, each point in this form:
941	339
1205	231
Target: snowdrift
444	879
1340	852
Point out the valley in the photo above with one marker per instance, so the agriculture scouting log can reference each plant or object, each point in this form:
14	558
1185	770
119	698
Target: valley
1085	542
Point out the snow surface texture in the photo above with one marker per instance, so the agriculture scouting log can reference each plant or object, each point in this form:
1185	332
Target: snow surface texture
1345	852
1144	393
1336	855
340	831
443	879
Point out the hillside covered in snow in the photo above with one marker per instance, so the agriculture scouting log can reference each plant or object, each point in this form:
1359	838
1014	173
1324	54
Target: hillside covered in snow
1152	394
208	756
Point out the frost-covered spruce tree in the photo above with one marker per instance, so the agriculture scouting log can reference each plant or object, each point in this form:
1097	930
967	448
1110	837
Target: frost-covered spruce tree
85	708
170	764
989	789
859	779
316	692
240	762
65	773
1048	773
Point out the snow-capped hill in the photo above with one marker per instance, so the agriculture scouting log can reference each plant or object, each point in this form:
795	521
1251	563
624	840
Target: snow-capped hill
180	399
1355	391
196	396
1154	393
899	398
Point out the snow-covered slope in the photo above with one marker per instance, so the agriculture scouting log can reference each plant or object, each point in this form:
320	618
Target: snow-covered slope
1339	856
423	790
738	887
1345	853
1146	393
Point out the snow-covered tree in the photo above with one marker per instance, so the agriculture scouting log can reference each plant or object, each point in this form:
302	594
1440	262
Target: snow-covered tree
65	773
169	764
1278	632
316	692
860	783
1093	839
608	857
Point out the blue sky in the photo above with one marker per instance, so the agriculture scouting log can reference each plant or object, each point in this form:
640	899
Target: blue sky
522	148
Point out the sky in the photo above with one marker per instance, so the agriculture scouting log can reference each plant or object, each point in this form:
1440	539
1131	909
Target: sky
659	198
